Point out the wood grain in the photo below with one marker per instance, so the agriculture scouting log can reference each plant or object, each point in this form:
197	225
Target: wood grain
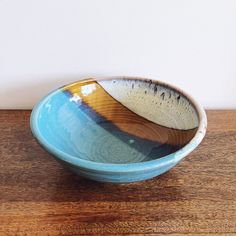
39	197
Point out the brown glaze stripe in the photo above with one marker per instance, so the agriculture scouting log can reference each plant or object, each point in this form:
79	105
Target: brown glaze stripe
105	105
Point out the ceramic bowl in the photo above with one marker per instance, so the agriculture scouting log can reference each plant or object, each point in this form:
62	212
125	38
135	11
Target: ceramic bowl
119	129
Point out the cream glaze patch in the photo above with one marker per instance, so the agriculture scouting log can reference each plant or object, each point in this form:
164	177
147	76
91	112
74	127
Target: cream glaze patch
154	102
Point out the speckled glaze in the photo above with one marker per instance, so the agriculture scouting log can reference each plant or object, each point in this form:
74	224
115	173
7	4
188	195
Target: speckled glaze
118	129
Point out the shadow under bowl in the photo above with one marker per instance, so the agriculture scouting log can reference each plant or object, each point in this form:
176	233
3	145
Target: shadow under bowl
118	129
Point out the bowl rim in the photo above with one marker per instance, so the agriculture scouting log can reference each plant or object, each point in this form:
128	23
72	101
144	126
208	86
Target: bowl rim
170	159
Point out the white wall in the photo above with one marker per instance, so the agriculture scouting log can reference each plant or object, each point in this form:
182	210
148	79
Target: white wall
47	43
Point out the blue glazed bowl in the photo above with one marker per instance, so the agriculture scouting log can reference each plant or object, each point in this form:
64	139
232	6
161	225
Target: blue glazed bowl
119	129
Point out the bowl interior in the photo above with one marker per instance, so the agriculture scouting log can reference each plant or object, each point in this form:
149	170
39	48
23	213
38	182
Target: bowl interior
117	120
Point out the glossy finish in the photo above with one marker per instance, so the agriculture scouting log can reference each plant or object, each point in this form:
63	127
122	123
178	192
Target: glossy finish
118	129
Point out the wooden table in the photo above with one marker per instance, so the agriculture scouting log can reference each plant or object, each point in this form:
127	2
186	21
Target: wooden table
39	197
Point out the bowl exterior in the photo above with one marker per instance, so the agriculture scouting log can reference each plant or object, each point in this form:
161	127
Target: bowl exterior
118	177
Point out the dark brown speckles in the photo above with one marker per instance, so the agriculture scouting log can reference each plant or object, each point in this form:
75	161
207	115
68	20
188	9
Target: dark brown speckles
178	98
150	83
155	88
163	95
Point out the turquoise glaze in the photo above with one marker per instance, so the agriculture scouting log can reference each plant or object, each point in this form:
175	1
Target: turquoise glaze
81	134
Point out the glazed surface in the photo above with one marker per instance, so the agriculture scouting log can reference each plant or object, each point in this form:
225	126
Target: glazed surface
113	122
